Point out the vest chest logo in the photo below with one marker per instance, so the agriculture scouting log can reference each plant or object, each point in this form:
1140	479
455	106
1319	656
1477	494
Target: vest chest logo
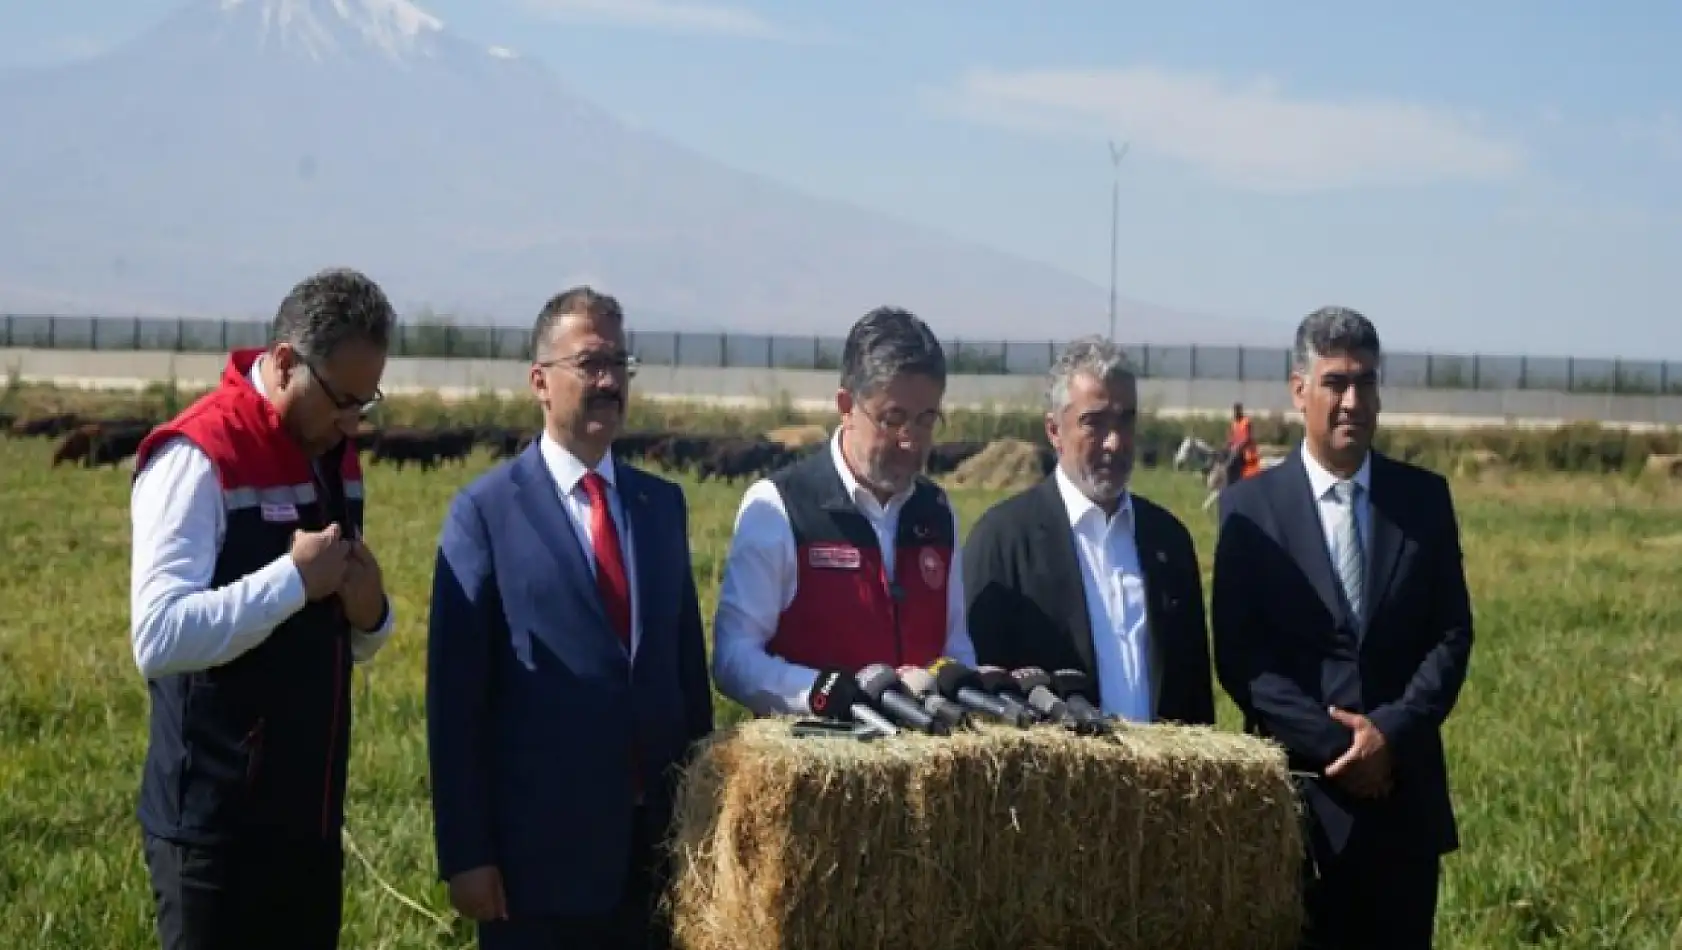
933	567
279	512
835	557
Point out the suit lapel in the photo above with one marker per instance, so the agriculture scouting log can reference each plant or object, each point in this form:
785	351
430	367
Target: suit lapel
1152	560
540	500
1056	543
644	522
1385	544
1305	538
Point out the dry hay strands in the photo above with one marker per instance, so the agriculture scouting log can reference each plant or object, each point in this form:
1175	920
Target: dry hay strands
1159	837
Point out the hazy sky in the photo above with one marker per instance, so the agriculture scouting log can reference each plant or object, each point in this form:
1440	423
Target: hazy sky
1497	175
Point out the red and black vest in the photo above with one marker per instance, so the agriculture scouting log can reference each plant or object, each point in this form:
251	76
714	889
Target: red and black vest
259	745
846	613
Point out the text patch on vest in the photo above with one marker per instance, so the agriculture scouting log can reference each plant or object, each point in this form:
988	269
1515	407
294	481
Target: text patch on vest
838	557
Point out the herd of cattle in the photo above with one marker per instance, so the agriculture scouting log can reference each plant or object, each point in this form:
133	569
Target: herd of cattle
93	442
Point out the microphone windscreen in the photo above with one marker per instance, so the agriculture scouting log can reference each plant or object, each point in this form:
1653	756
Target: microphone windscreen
1066	683
1029	677
876	679
833	695
995	680
918	681
951	677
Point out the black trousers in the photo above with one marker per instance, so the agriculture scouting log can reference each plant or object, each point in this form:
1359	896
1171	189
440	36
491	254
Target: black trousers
248	895
634	924
1374	896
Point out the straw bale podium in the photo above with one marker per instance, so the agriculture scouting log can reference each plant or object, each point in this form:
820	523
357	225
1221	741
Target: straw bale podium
1155	837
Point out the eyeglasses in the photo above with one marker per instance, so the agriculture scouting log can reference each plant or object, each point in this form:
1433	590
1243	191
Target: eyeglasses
900	422
596	365
341	402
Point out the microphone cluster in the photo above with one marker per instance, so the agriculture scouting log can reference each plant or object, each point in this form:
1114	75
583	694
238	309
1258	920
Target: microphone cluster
947	696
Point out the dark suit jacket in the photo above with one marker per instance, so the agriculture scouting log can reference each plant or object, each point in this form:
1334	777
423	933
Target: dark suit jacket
1286	647
1026	604
532	702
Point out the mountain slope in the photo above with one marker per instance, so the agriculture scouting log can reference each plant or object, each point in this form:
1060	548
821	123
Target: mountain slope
208	164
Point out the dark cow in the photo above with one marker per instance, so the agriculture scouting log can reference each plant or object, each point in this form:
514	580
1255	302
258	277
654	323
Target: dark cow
401	446
49	427
679	453
742	458
106	442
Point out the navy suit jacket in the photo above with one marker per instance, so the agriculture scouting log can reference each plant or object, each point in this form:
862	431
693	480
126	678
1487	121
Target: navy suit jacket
1286	646
532	701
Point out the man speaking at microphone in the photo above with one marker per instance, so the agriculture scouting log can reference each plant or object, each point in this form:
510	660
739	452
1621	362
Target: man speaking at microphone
1080	573
848	557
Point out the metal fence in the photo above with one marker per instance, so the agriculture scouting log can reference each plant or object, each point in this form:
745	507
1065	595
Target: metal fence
967	356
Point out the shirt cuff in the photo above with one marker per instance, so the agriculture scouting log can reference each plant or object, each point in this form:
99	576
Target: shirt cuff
283	585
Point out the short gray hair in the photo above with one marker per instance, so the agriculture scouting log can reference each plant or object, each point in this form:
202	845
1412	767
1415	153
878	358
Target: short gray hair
1093	356
1333	331
886	343
332	307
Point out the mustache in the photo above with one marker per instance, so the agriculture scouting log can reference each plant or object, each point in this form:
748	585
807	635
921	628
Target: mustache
606	397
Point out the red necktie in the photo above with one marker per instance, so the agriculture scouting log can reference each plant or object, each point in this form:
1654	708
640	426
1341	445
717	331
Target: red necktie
611	580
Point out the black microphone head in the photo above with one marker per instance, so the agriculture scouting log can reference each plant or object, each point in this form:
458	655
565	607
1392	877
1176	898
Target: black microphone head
876	679
833	695
951	676
998	681
1029	677
1066	683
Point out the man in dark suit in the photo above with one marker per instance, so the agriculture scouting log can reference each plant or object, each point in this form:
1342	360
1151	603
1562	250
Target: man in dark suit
1343	630
1078	572
566	669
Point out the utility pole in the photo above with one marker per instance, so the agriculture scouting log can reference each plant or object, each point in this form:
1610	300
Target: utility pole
1115	221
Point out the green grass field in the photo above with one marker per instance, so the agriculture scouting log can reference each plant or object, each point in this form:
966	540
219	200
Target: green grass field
1564	750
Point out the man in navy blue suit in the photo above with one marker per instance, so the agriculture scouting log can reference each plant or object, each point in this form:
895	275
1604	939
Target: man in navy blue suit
566	667
1343	630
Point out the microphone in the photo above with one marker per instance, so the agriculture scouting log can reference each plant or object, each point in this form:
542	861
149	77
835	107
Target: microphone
997	682
962	685
1036	683
835	696
920	683
1075	689
880	684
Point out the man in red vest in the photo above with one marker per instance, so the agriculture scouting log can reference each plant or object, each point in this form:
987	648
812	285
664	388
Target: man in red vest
847	557
253	593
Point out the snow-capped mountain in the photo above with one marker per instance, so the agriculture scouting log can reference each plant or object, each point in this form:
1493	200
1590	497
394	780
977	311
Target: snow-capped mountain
205	166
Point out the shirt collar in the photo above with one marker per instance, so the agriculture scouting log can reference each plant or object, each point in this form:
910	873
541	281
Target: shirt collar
566	467
256	377
850	482
1080	507
1321	480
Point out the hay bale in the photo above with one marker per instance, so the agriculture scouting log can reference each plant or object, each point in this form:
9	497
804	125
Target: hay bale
1004	465
1161	837
1663	466
797	437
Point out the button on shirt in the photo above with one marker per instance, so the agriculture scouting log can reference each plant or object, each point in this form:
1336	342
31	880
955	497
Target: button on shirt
1114	582
568	472
177	622
760	576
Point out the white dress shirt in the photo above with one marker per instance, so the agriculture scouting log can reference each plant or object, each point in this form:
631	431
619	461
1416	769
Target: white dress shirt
1114	581
569	481
177	622
1321	482
760	573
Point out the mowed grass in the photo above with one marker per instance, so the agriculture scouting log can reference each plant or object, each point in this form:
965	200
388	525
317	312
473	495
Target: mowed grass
1564	748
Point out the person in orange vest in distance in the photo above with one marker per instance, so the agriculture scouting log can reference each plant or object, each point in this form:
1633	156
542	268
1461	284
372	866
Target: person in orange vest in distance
1244	459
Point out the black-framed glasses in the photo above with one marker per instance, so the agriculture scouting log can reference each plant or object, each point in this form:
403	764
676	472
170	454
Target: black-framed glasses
900	422
340	401
596	365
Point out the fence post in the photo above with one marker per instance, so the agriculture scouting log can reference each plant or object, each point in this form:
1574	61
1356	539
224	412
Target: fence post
1477	371
1524	372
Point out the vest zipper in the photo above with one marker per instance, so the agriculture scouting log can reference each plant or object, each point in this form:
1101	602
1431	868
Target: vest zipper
893	592
332	735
